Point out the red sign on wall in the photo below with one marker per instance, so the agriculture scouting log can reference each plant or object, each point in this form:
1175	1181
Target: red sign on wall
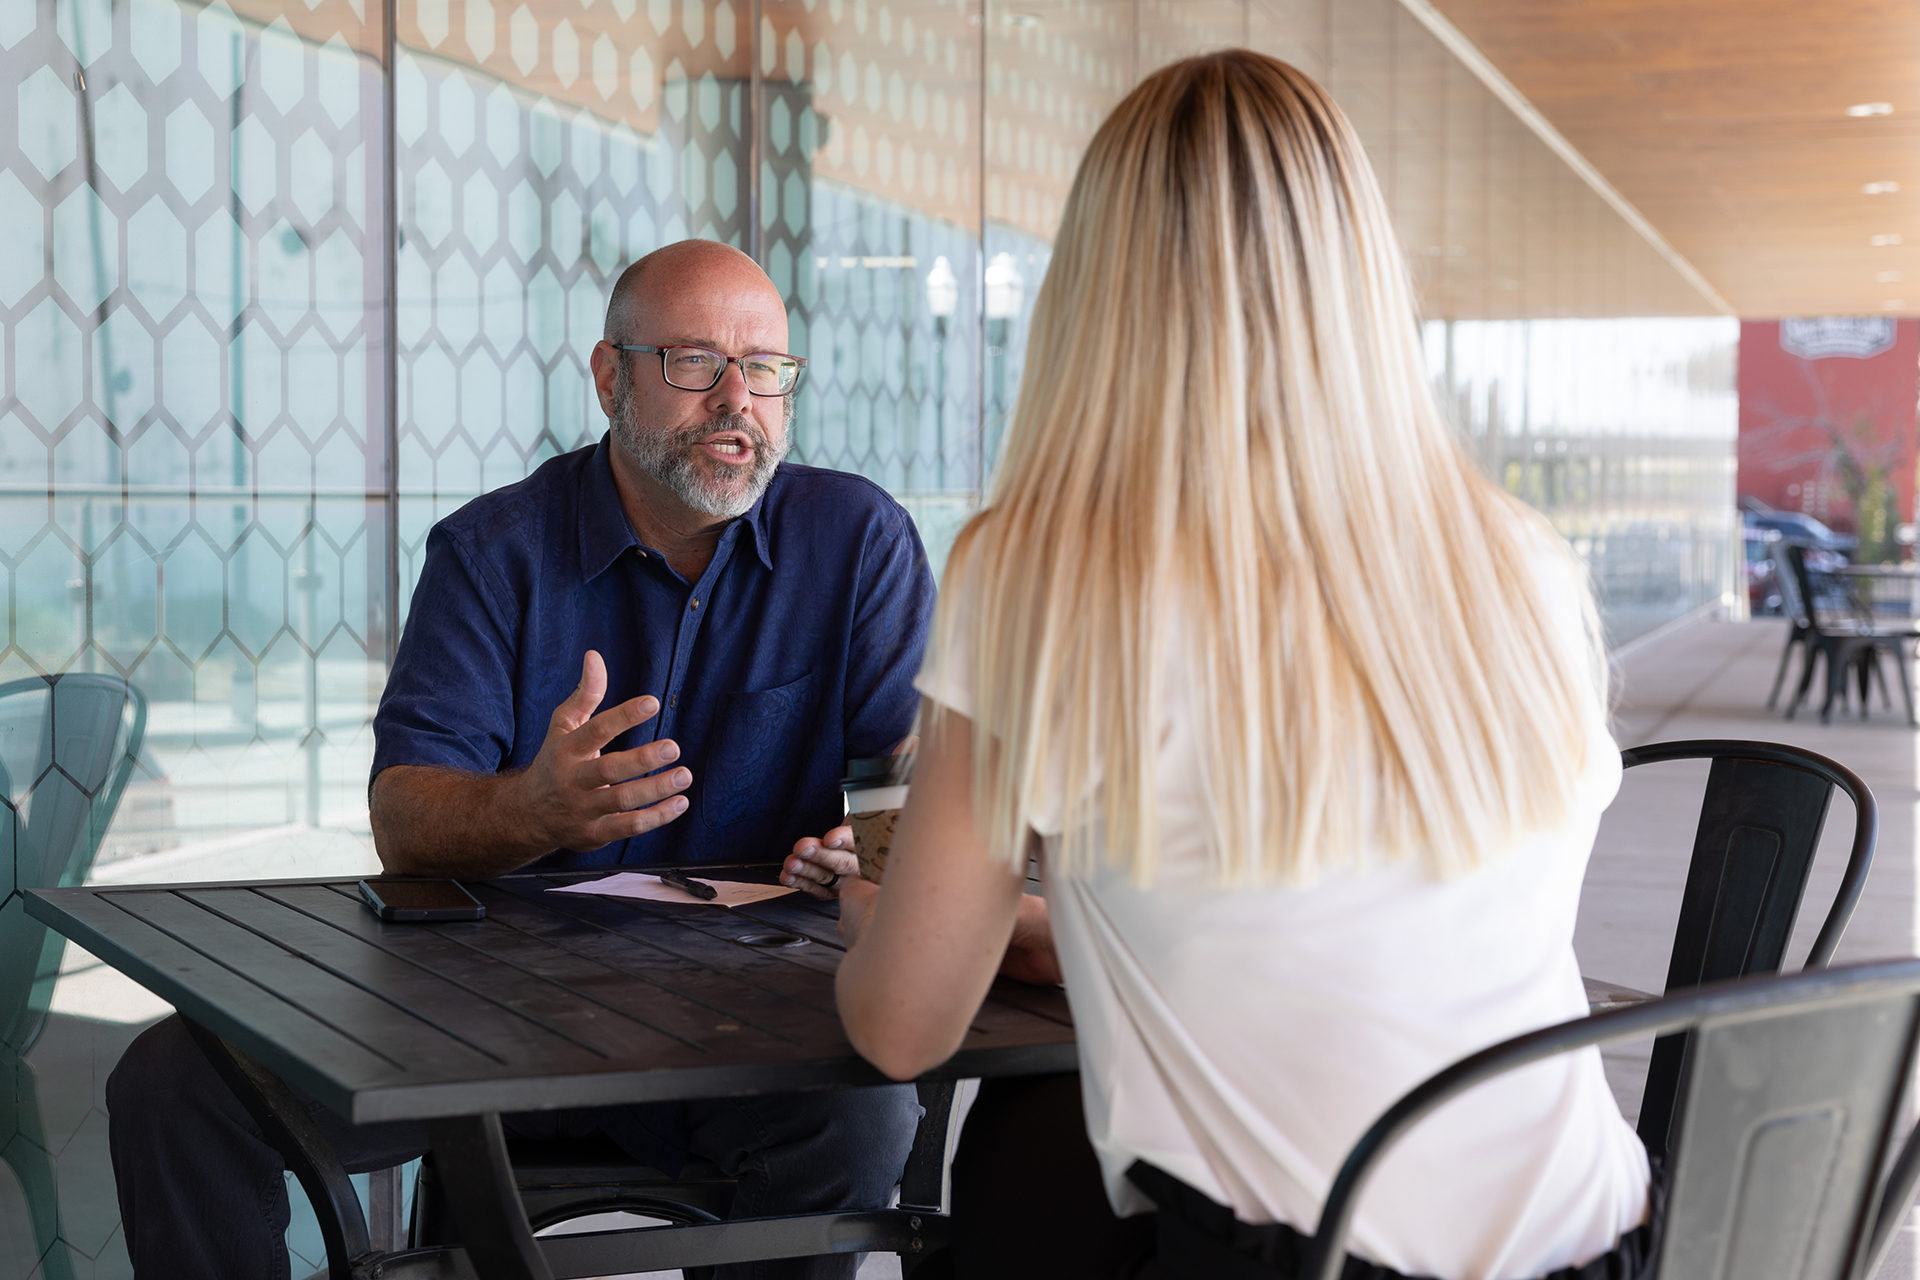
1827	421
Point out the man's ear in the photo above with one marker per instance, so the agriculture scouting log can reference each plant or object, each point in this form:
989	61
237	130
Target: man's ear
605	363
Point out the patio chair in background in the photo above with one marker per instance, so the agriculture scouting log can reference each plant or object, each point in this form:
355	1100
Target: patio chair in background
1793	1093
1760	823
1799	620
1829	626
67	749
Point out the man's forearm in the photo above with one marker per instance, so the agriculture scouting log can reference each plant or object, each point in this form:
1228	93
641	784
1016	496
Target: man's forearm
443	822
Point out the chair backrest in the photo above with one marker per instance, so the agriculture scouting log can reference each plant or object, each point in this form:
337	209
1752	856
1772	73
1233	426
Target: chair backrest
1760	824
1790	573
1803	594
67	748
1791	1097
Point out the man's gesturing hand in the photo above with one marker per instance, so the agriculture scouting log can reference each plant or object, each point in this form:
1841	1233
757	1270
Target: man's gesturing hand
578	799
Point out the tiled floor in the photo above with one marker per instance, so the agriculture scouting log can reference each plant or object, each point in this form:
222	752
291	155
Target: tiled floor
1708	680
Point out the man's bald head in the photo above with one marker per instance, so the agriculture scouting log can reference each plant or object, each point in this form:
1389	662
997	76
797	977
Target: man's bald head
709	452
690	267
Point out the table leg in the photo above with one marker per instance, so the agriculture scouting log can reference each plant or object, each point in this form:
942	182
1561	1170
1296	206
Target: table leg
283	1119
923	1181
470	1157
385	1193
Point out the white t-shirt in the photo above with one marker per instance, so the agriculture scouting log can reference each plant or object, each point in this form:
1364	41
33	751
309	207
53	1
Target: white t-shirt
1243	1039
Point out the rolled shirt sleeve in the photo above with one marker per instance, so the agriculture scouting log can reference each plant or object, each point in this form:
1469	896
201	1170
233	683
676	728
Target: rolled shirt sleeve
448	701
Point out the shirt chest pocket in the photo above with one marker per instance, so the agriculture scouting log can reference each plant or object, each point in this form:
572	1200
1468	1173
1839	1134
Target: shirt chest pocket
757	746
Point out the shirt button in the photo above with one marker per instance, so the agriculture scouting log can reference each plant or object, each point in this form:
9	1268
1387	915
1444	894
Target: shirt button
673	700
696	604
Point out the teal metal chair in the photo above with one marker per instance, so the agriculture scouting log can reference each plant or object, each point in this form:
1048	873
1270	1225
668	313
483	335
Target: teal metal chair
67	750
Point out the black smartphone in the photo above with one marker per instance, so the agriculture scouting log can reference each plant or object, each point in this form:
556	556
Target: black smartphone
421	901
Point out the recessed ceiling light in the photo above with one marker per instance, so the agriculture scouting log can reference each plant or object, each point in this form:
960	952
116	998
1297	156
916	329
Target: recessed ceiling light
1894	304
1880	188
1033	20
1890	277
1881	242
1860	109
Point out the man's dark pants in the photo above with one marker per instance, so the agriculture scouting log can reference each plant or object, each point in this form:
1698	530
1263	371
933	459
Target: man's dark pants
203	1195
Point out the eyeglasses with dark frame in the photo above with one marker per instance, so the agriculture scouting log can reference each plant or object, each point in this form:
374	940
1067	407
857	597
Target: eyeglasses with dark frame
767	373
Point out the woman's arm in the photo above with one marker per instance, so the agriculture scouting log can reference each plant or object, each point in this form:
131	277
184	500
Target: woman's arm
925	949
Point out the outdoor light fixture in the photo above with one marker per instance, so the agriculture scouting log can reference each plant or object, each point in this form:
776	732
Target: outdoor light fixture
943	290
1880	188
1862	109
1005	288
943	297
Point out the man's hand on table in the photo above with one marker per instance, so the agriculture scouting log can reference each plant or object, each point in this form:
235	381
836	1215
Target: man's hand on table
820	866
1030	956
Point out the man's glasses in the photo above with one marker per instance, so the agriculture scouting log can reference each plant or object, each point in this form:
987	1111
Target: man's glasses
768	373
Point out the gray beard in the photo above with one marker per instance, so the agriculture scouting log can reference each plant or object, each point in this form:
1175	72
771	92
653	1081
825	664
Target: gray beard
671	458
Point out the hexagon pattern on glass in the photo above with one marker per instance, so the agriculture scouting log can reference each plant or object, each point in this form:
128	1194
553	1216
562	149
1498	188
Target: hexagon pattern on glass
184	354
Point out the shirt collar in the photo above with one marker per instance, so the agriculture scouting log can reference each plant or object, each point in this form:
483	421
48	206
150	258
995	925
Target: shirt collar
756	520
605	532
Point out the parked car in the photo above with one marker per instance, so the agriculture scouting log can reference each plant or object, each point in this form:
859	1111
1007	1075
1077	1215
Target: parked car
1797	526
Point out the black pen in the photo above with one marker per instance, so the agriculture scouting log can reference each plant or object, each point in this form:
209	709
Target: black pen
705	892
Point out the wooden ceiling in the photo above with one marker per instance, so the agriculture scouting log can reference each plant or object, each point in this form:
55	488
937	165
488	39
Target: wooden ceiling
1725	122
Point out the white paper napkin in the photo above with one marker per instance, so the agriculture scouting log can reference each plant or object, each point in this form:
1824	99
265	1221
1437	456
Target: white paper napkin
633	884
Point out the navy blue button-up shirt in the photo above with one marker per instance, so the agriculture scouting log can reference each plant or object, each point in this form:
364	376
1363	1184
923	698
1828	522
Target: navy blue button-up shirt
794	652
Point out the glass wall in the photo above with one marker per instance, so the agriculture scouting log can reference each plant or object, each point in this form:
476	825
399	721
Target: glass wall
268	309
192	451
218	474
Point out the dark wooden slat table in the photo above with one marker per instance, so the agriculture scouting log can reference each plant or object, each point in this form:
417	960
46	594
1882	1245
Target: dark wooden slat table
552	1001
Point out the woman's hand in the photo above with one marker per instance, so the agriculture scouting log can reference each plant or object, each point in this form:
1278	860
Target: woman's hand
857	899
1030	956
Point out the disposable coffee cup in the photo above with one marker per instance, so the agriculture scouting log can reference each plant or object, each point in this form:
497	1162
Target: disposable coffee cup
876	790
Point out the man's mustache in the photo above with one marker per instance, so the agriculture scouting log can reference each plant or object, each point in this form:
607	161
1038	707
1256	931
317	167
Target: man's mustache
738	423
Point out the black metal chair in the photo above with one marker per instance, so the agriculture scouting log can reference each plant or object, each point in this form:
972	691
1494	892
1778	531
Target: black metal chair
67	749
1843	635
1760	823
1799	624
1792	1093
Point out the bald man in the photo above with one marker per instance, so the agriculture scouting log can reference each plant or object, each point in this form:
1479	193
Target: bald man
657	650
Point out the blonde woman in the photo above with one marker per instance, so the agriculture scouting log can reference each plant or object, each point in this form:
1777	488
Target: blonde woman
1304	717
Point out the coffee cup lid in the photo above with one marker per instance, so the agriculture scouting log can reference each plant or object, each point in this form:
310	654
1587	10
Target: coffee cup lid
879	771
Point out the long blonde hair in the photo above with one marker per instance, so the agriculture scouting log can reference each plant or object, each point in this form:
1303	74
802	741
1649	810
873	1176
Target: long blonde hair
1225	413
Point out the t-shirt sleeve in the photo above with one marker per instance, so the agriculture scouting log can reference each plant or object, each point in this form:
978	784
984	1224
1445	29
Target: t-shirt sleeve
889	633
946	676
449	699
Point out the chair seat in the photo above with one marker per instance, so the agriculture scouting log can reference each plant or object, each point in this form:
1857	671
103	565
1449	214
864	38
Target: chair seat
1866	631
